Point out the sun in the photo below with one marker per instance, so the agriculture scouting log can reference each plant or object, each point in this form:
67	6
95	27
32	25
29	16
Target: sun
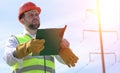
109	13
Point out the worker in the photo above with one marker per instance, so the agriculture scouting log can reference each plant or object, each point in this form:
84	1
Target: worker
19	48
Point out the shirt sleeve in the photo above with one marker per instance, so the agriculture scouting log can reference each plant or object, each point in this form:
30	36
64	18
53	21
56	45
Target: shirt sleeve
10	47
59	59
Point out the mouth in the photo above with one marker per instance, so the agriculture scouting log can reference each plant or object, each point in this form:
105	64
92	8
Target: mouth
35	21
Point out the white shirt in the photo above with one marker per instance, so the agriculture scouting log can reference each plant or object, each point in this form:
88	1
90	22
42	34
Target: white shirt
11	47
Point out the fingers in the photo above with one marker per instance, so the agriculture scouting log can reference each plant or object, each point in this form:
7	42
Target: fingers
70	64
38	49
68	57
71	58
40	41
64	43
37	45
72	61
74	58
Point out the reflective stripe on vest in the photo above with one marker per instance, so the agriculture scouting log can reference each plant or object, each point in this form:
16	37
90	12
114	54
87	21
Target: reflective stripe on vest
34	64
36	67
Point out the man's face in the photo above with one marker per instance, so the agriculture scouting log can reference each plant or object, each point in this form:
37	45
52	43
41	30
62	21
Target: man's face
31	19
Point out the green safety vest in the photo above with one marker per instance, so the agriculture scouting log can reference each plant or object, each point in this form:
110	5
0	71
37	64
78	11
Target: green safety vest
34	64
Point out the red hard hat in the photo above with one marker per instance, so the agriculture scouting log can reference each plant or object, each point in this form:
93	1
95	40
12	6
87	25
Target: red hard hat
26	7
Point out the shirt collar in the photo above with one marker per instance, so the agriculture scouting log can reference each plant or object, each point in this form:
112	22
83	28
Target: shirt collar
26	32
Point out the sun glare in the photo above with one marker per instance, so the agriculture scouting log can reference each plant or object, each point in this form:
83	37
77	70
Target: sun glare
109	13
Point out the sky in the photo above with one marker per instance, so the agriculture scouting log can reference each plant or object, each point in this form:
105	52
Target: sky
82	31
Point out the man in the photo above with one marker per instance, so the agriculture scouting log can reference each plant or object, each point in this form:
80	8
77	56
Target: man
19	49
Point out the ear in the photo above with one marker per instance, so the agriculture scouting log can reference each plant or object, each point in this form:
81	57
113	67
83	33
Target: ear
22	20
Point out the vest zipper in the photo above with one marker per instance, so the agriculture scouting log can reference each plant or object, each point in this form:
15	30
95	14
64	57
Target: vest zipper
44	64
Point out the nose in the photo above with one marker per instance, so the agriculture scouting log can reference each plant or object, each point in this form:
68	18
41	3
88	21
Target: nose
36	16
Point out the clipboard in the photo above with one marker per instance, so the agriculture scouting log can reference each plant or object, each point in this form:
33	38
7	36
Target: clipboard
53	37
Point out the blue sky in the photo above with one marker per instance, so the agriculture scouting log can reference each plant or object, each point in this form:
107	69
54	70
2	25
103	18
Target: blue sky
57	13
